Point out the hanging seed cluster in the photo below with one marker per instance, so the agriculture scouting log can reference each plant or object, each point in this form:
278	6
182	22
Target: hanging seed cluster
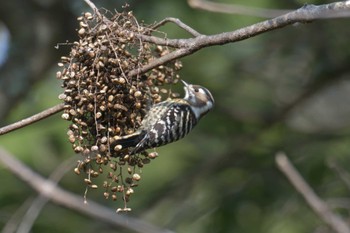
103	102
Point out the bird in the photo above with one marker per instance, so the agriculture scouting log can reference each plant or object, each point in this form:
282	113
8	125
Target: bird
169	120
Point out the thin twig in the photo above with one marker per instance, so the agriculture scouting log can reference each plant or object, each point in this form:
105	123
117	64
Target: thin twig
30	120
316	203
75	202
179	23
93	7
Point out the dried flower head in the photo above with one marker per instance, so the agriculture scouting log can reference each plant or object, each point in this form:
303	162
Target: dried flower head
103	102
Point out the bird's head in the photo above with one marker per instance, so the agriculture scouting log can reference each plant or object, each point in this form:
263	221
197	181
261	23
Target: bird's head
199	98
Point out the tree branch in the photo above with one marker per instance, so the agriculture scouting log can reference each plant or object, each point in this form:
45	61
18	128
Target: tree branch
316	203
32	119
40	201
235	9
56	194
305	14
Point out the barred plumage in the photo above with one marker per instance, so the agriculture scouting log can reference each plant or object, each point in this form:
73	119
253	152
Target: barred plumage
170	120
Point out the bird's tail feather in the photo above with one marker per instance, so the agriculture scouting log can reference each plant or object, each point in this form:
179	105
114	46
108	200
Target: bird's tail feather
129	140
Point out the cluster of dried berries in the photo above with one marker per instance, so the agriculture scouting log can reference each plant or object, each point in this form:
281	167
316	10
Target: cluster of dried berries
104	101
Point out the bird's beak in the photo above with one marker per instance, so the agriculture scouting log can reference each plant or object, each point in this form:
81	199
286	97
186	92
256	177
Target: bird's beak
184	83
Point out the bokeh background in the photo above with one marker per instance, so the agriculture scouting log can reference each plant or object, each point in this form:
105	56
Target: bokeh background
286	90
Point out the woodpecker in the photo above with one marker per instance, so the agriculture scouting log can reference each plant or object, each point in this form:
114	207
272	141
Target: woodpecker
170	120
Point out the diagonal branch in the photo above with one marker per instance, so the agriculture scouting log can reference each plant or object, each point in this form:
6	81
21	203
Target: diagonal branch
32	119
305	14
40	201
316	203
56	194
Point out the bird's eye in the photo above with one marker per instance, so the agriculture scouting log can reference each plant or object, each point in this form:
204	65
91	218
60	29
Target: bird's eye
196	89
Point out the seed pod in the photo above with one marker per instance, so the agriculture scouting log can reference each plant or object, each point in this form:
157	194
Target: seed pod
88	15
106	195
72	112
98	115
81	31
129	191
58	74
71	138
94	148
65	116
136	177
137	94
153	155
77	171
113	166
82	24
62	96
118	147
104	139
110	98
78	149
87	181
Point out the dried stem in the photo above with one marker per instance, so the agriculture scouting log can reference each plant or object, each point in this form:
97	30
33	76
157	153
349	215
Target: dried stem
316	203
50	190
30	120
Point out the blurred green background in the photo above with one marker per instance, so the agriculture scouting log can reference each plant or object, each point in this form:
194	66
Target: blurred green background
286	90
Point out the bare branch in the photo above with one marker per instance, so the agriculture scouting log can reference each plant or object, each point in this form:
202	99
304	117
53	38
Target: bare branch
40	201
24	218
12	223
56	194
235	9
30	120
306	14
316	203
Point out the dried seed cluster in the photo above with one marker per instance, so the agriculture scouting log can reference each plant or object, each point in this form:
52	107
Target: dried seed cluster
103	102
